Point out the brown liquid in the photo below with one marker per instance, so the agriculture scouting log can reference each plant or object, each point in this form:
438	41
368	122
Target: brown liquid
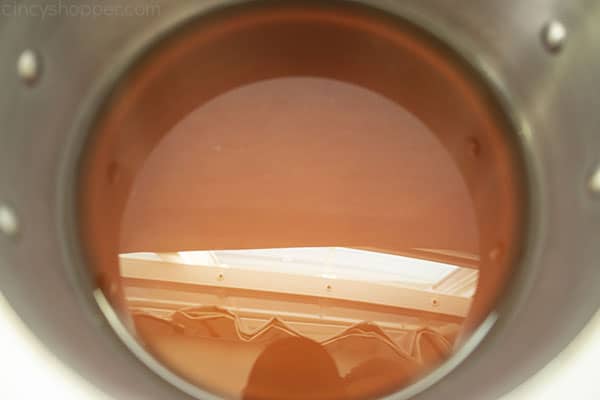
291	127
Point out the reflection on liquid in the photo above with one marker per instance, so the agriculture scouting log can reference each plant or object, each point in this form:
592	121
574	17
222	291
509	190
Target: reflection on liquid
300	161
294	368
322	323
327	162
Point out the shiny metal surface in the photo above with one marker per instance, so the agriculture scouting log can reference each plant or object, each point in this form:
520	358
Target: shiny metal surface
552	97
554	35
594	183
28	66
9	223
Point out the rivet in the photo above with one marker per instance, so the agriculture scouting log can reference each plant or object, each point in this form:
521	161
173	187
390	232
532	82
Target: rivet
329	288
474	147
594	182
496	253
28	66
435	302
554	35
113	172
220	277
9	223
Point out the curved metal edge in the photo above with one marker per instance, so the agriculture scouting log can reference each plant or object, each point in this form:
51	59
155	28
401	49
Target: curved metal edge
100	309
515	295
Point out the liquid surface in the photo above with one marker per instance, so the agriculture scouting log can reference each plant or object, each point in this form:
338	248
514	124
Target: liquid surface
296	200
274	167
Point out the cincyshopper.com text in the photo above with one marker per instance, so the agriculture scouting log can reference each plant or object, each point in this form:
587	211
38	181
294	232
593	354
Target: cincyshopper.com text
62	8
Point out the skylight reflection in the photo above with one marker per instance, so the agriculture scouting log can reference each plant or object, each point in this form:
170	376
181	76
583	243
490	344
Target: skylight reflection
326	262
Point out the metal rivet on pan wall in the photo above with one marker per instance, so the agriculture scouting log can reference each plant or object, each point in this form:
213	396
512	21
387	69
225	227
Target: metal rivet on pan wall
554	35
9	223
28	66
594	182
